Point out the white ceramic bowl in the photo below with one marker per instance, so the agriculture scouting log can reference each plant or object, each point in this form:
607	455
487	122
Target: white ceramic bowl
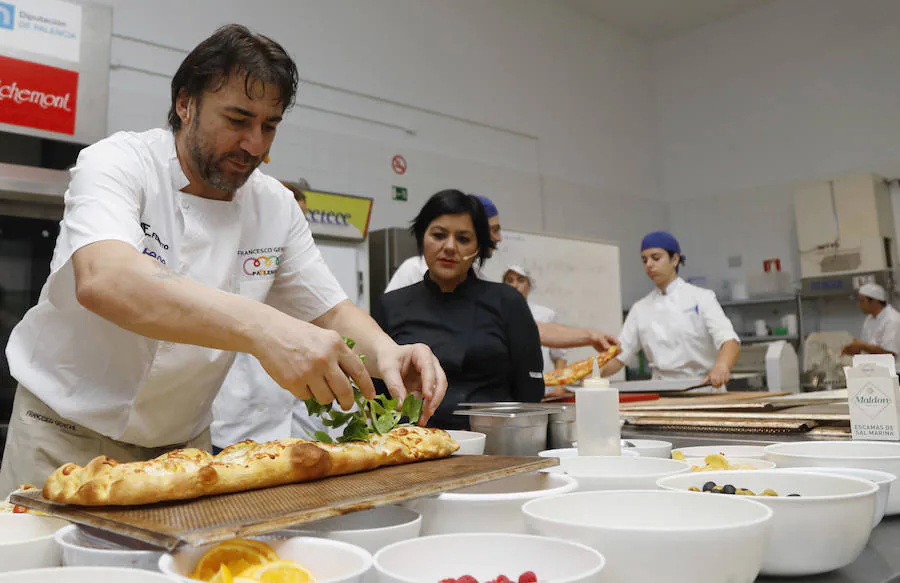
84	575
330	561
494	506
882	479
369	529
26	542
823	529
649	447
619	473
573	452
649	535
81	548
757	464
729	451
470	442
485	556
883	456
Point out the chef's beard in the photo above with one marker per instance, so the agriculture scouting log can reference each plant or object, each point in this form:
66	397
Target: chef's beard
209	166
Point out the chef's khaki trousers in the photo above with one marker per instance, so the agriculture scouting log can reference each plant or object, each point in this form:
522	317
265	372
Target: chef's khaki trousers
39	441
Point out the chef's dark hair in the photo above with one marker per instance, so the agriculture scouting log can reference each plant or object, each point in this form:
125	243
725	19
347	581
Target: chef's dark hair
454	202
231	50
681	259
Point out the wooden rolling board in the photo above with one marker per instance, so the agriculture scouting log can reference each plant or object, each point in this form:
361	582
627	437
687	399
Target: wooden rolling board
827	412
218	518
725	425
736	400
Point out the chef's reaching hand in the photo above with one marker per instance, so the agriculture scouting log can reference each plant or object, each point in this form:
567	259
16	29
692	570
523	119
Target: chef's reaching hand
854	348
412	368
718	375
601	342
310	361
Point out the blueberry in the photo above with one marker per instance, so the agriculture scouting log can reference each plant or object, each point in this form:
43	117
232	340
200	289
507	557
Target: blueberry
707	487
795	495
728	489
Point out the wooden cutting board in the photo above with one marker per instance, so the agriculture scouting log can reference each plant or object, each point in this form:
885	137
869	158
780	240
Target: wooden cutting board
826	412
218	518
736	400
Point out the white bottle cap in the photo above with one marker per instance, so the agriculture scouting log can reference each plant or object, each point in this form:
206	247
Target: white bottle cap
595	381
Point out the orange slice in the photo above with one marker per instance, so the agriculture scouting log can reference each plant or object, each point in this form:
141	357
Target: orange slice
260	546
223	575
279	572
236	556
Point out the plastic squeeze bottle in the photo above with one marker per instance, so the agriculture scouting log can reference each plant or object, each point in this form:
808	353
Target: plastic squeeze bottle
597	417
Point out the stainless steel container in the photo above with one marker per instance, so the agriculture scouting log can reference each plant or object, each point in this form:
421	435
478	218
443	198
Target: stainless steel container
561	423
511	430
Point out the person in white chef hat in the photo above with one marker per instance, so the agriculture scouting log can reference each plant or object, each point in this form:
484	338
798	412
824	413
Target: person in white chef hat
881	328
521	279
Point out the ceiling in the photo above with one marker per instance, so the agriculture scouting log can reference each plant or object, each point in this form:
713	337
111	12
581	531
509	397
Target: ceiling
654	20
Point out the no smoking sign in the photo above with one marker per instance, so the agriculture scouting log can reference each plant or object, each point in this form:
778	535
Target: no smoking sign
398	163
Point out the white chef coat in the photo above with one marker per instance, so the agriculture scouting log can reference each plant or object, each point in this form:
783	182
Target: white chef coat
251	405
883	330
128	387
413	270
680	331
545	314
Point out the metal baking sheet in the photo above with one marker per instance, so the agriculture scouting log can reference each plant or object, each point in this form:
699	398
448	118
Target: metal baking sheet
217	518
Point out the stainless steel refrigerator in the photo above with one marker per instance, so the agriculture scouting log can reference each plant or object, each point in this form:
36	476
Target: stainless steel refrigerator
388	248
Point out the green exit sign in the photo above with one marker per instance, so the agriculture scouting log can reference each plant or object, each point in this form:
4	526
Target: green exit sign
400	193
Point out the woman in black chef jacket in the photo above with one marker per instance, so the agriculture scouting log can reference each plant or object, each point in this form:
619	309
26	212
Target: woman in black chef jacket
482	332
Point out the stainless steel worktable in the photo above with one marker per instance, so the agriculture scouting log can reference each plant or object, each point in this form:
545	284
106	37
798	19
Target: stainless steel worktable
879	562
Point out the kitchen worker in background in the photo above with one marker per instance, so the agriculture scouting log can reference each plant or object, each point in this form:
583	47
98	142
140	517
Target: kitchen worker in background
519	278
553	335
413	269
174	253
299	189
481	331
680	327
881	328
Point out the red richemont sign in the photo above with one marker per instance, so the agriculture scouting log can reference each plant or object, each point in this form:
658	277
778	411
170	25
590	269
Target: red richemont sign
37	96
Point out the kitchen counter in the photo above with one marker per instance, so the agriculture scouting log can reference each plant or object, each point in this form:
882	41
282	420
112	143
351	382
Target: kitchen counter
879	562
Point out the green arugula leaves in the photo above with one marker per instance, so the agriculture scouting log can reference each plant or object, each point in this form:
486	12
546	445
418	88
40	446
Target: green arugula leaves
372	416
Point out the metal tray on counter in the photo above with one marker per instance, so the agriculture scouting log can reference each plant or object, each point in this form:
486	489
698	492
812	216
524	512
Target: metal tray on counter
217	518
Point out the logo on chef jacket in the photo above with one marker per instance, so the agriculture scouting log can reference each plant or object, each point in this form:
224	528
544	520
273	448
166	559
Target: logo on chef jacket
150	234
37	96
871	401
260	263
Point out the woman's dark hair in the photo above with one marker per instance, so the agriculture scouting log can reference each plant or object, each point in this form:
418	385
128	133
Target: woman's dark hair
681	260
454	202
231	50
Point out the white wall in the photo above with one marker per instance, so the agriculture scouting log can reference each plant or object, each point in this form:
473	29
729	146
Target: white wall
541	107
794	91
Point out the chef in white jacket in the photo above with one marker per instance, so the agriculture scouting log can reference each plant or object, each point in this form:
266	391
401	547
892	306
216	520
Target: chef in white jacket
681	328
881	328
519	277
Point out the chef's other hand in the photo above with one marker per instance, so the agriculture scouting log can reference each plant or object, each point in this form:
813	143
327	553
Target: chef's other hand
413	368
718	375
853	348
601	342
310	361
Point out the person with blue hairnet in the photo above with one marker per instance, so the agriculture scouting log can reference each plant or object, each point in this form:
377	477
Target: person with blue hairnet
681	328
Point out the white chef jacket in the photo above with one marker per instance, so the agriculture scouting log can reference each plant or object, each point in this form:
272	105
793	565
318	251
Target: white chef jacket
545	314
251	405
128	387
883	330
413	270
680	331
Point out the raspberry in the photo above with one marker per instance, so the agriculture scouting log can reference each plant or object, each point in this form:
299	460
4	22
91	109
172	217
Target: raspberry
451	580
466	579
502	579
528	577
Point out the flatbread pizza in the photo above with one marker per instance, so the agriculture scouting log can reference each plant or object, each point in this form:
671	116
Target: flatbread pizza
191	473
578	370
